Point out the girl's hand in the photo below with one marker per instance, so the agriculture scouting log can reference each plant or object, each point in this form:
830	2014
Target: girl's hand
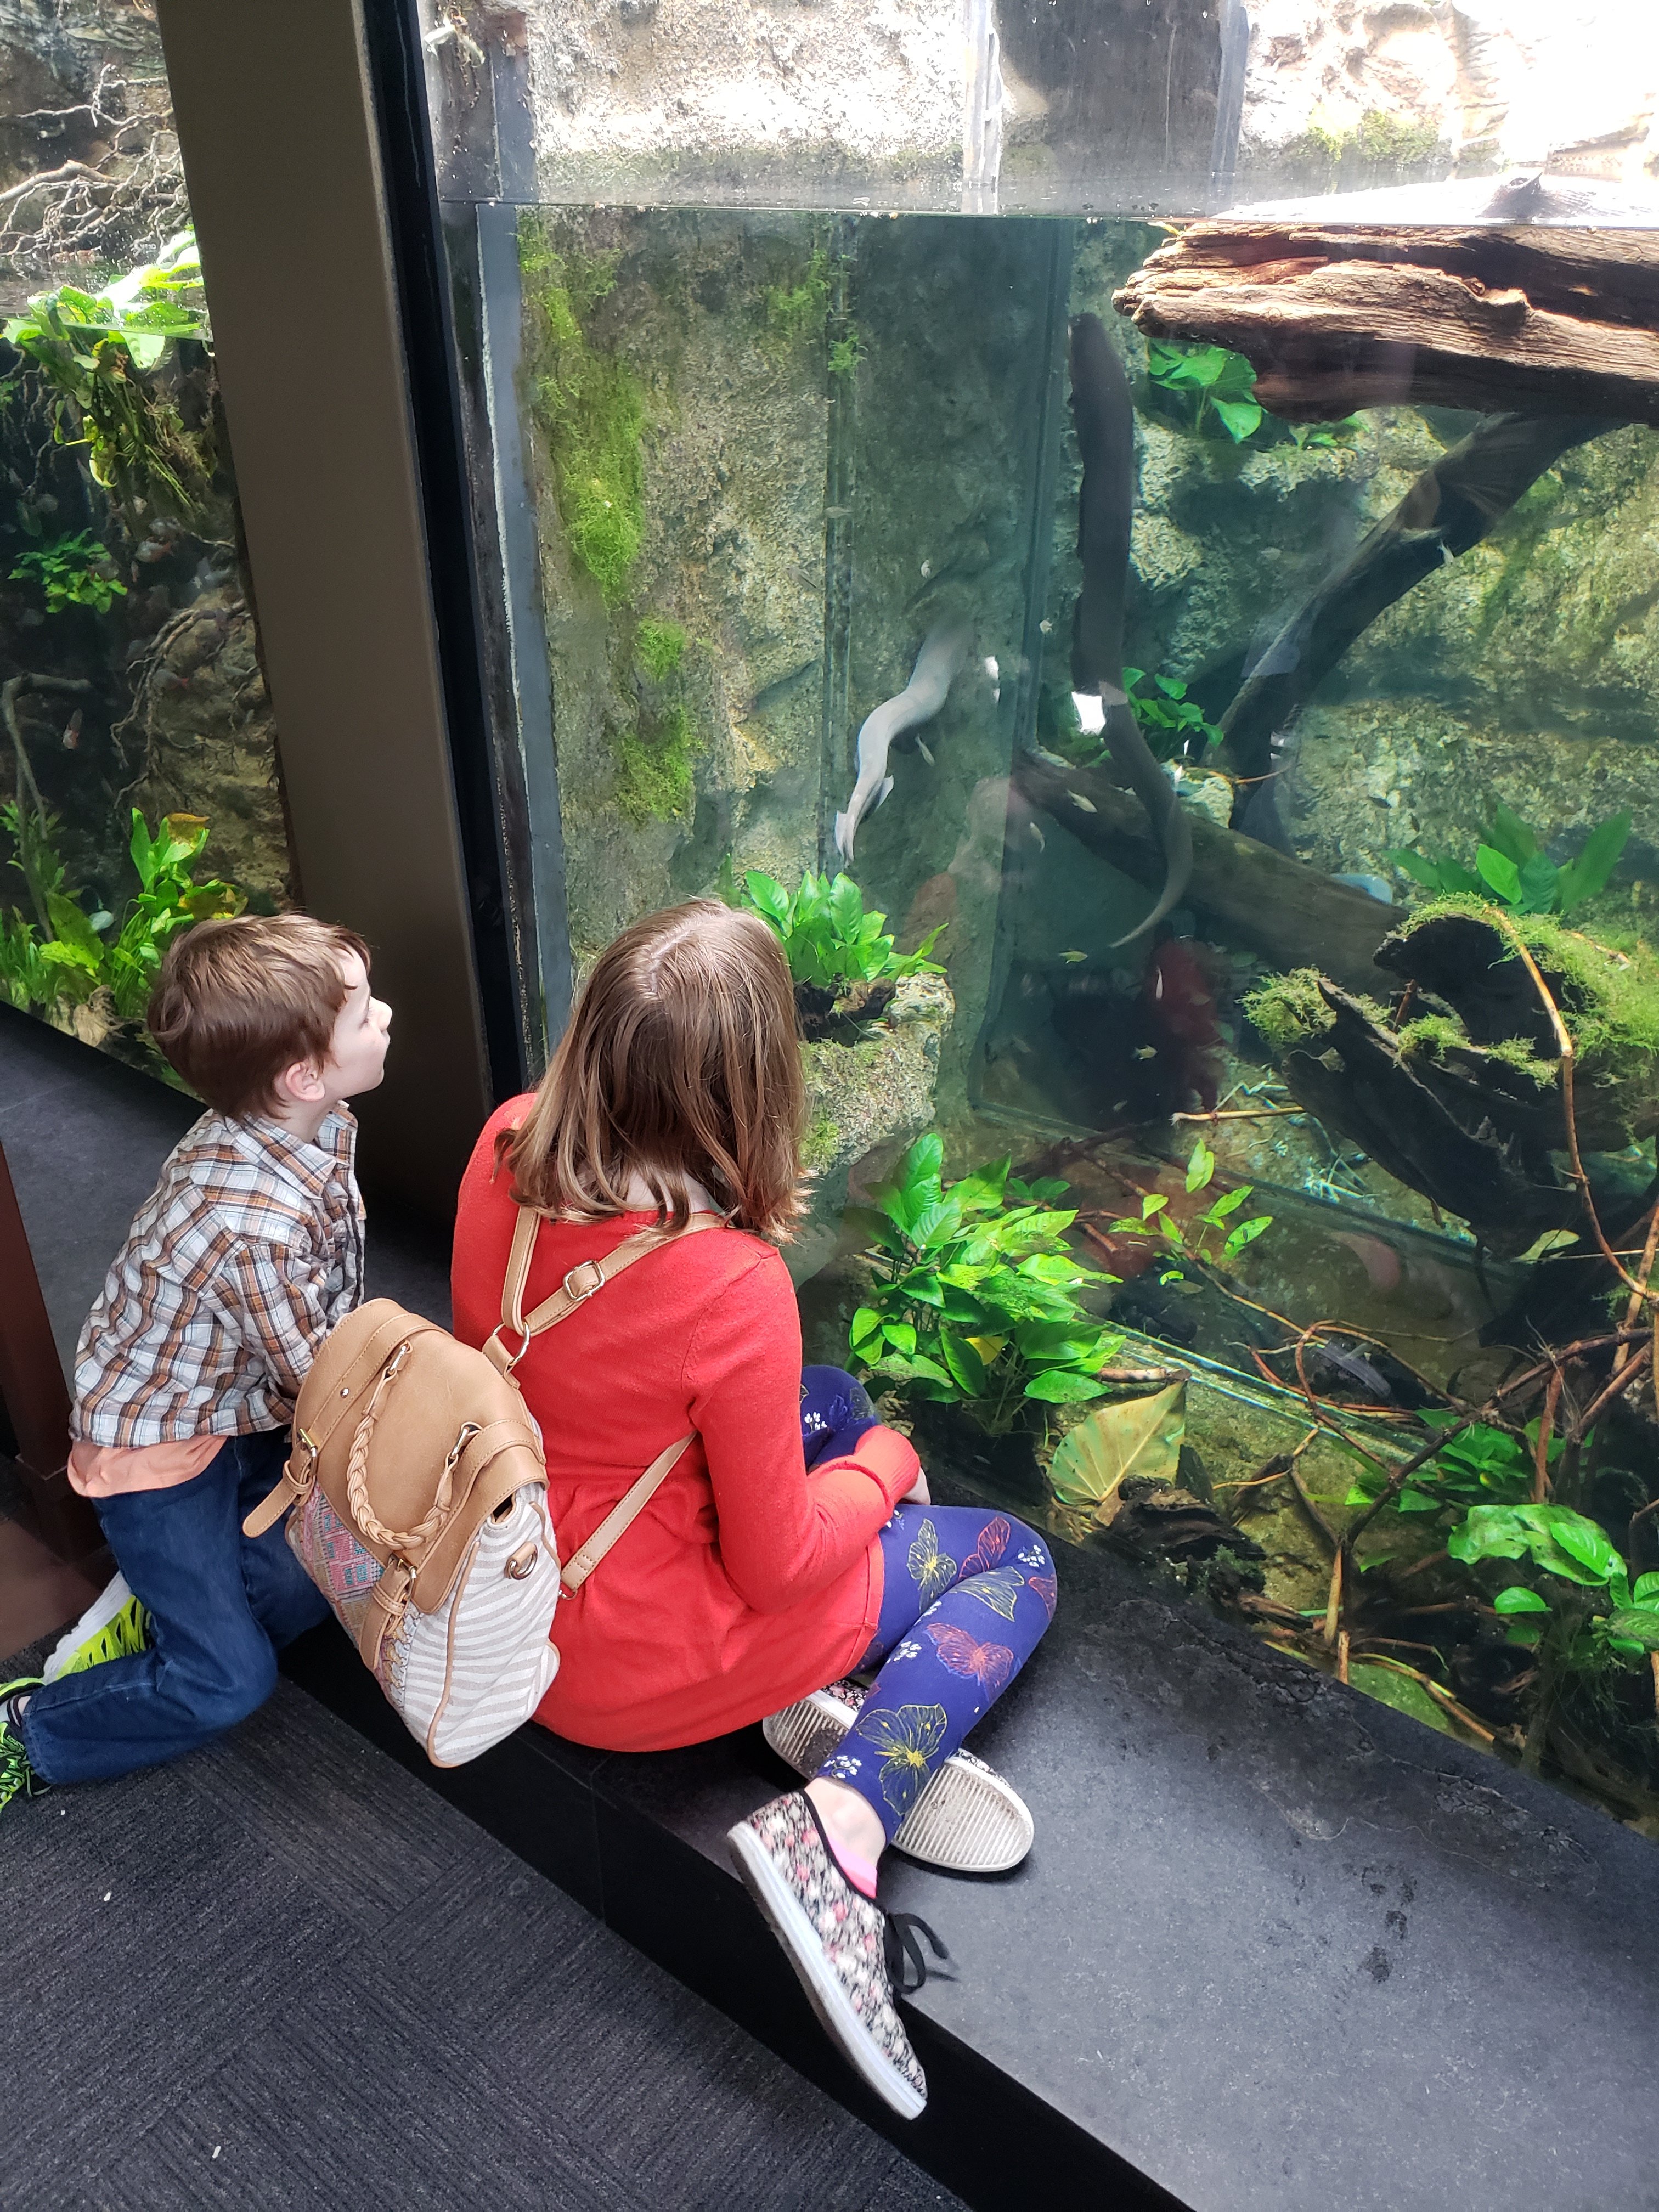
917	1494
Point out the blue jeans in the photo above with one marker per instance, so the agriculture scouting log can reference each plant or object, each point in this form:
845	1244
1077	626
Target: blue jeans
966	1596
221	1607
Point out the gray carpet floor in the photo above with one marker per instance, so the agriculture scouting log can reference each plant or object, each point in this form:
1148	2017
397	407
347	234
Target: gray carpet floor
282	1974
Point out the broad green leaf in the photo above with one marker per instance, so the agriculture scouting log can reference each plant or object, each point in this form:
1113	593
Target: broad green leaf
1065	1386
1455	876
1229	1204
1246	1233
768	896
1539	880
876	1227
1583	877
1500	873
1403	1692
1646	1591
1636	1625
1517	1598
1511	837
963	1362
1132	1435
1154	1202
1586	1542
72	926
866	1323
1201	1167
1240	417
1426	872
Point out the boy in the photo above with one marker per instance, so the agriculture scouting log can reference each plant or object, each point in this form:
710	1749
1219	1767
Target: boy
246	1254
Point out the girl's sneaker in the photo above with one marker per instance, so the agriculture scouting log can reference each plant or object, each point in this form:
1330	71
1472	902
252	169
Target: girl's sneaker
846	1951
17	1778
113	1626
967	1820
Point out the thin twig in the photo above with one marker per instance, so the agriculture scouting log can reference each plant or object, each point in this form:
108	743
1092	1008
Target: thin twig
1540	1450
1564	1052
1616	1388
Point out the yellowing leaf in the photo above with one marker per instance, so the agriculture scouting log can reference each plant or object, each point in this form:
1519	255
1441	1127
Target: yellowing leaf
989	1348
1133	1436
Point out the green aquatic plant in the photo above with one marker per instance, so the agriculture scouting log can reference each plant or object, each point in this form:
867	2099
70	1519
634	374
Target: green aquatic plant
77	571
795	309
1211	1239
829	936
974	1301
1512	870
654	780
1216	387
58	960
847	354
588	405
97	353
660	646
1169	721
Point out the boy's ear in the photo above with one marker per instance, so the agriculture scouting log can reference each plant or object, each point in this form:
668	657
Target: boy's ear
301	1084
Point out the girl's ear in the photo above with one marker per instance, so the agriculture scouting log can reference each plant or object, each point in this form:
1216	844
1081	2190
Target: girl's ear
301	1084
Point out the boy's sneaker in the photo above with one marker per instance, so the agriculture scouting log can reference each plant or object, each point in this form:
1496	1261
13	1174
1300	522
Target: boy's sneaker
17	1778
967	1820
113	1627
845	1950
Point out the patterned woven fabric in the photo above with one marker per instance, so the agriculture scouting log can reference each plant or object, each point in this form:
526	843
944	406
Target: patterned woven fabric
851	1930
246	1253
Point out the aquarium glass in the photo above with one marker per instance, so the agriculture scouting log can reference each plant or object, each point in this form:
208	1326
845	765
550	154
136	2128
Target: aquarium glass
139	785
1201	799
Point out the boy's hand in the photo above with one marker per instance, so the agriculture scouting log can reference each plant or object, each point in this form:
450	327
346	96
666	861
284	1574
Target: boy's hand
917	1494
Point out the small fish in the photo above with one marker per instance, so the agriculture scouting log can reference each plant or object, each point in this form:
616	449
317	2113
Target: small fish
1074	956
1042	842
1146	1052
1087	805
72	733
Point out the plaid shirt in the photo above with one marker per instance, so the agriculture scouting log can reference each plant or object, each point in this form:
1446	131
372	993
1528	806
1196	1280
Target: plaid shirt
246	1254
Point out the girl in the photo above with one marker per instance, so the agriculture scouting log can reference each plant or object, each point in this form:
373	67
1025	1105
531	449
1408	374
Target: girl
793	1541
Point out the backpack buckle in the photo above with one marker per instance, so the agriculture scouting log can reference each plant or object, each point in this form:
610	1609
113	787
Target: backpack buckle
576	1291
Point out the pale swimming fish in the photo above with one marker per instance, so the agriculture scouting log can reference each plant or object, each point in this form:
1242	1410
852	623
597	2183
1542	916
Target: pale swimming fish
941	656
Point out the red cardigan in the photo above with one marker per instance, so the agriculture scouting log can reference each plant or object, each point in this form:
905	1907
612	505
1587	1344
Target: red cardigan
746	1581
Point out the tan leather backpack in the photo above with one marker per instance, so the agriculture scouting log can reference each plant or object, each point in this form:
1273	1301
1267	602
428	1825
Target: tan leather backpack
420	1503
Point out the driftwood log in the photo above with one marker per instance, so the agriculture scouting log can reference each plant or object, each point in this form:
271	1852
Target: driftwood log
1441	1106
1334	317
1355	1078
1450	508
1287	911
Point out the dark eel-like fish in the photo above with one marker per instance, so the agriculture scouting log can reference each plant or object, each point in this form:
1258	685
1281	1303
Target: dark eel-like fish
1104	415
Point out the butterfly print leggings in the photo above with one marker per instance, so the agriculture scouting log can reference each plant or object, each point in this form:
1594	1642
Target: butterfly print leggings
966	1596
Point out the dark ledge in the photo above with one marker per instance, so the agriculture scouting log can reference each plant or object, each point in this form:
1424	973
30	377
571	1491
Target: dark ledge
1278	1945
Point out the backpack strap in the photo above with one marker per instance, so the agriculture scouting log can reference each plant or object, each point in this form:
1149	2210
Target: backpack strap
584	1280
583	1561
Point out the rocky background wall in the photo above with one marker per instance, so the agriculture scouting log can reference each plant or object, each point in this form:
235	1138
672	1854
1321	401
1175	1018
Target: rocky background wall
694	734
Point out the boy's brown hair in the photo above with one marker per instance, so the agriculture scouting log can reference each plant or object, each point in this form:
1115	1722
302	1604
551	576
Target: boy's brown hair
680	1063
238	1001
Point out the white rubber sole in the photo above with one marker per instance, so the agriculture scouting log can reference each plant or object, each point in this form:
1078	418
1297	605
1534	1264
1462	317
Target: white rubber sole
967	1820
782	1911
98	1615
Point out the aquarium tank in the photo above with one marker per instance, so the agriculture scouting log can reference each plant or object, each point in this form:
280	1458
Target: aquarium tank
1126	535
140	788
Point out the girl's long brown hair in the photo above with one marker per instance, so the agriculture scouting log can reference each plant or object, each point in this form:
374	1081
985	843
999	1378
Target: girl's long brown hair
680	1063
